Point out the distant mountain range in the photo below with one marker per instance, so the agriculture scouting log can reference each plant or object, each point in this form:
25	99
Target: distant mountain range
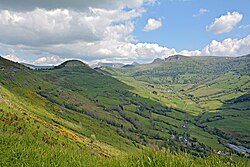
37	67
157	61
115	65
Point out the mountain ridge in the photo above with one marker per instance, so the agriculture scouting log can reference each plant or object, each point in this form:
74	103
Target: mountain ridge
157	61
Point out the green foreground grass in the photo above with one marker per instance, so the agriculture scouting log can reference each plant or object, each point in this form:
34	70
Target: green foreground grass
27	142
20	150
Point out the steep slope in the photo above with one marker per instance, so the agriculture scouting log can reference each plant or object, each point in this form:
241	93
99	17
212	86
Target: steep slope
200	86
101	97
136	118
20	96
80	112
91	103
10	65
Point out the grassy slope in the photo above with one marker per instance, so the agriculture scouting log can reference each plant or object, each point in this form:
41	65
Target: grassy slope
56	111
197	85
25	85
110	96
25	141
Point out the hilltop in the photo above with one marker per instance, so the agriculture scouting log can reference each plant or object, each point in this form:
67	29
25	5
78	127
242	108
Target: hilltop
72	63
8	65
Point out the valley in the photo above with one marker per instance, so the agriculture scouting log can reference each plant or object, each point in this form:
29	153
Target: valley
190	105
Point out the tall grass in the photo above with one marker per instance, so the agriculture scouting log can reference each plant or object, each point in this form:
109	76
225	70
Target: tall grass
21	151
26	142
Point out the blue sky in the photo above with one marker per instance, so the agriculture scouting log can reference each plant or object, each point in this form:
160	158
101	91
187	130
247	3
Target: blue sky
182	30
124	31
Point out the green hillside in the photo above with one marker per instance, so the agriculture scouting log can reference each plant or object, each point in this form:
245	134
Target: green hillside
205	87
73	115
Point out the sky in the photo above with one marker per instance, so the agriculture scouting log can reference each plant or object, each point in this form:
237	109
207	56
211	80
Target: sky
122	31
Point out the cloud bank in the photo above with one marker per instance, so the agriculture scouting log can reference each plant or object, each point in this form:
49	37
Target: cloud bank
80	5
95	31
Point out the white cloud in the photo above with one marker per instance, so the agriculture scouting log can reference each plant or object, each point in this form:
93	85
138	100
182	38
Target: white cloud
104	51
126	52
228	47
43	27
201	12
225	23
121	32
244	26
12	56
190	53
27	5
49	60
152	24
111	50
150	51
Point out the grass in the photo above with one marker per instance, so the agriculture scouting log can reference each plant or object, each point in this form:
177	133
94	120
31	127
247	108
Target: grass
33	146
206	91
208	96
233	124
22	150
211	105
61	110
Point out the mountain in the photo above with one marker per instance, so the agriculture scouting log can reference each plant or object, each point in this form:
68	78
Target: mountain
115	65
173	68
135	63
177	58
128	66
9	65
72	63
158	61
174	58
34	67
205	87
73	113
